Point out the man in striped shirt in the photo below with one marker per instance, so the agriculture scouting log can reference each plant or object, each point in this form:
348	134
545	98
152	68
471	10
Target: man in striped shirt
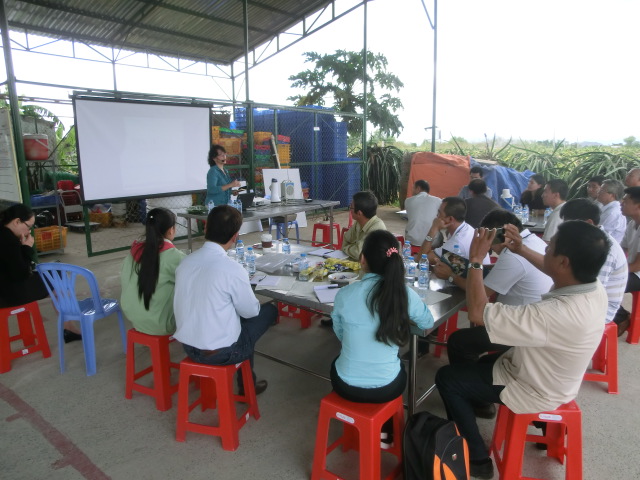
613	274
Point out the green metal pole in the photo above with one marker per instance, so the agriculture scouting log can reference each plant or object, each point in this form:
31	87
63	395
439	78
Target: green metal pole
15	108
249	108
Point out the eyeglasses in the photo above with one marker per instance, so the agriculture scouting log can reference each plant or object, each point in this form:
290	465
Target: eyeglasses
28	226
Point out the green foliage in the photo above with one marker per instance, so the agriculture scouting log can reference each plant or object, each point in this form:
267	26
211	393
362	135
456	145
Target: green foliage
336	81
382	171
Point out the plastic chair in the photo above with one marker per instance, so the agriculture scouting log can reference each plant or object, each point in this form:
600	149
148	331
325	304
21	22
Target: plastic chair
633	333
60	279
325	230
31	332
280	229
563	437
362	426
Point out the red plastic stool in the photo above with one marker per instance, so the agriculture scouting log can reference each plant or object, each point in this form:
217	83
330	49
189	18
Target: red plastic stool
216	386
633	334
563	439
161	366
400	239
286	310
31	332
444	332
605	359
362	426
325	229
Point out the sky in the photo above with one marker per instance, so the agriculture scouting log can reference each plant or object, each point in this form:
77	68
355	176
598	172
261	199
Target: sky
531	70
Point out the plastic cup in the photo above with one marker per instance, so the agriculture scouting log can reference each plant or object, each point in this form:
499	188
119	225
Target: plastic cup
267	240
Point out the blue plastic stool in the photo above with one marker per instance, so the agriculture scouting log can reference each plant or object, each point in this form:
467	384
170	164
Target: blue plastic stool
280	226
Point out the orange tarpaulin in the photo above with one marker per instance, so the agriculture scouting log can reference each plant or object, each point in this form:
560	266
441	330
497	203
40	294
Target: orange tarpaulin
446	174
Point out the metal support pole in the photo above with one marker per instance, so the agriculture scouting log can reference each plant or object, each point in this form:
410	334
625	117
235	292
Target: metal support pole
365	182
435	64
15	108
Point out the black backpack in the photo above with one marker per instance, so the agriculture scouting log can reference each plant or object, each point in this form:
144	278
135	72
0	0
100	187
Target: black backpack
433	449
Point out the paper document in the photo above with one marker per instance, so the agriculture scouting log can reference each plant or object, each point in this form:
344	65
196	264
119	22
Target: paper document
328	253
265	280
326	293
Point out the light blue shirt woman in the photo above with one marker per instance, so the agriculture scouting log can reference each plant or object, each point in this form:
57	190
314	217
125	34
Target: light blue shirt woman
219	182
364	361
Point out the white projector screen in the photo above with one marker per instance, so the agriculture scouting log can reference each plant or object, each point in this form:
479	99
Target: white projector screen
135	149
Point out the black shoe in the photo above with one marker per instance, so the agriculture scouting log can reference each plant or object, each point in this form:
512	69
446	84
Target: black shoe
481	468
485	411
326	322
70	336
624	325
542	426
260	386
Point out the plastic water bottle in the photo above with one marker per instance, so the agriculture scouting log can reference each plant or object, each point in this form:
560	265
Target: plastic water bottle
410	271
525	214
423	277
210	206
406	250
286	246
517	211
424	261
238	205
547	212
240	251
251	261
304	265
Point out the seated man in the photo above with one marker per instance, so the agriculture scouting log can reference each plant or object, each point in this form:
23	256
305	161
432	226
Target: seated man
450	218
611	218
554	339
513	278
421	208
218	318
478	205
593	187
554	195
633	178
631	246
474	173
364	207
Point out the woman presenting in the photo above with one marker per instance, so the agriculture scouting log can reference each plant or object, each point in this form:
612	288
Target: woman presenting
148	276
371	320
219	183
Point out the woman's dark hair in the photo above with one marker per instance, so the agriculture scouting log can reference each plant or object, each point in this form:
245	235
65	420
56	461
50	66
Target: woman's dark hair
389	296
159	220
19	211
539	179
214	151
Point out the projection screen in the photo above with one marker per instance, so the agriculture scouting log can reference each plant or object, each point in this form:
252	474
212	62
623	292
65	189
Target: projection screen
130	149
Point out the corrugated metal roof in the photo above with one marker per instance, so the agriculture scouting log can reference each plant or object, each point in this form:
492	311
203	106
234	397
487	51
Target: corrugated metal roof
200	30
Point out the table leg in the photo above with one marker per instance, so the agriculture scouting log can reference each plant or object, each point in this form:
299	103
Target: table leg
189	240
413	359
331	227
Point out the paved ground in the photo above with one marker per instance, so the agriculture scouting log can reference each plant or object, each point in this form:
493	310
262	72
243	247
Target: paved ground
70	426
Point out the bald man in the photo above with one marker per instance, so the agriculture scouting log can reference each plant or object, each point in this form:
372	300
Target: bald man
633	178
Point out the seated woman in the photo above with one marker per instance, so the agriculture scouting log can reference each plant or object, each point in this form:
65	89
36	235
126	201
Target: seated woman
371	319
532	196
148	276
19	282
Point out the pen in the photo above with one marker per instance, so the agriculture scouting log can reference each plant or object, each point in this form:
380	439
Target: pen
333	286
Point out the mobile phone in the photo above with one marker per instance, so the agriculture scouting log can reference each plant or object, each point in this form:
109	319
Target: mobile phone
499	238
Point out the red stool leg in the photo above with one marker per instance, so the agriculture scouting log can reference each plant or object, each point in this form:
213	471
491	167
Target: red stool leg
162	374
320	451
444	332
605	359
633	334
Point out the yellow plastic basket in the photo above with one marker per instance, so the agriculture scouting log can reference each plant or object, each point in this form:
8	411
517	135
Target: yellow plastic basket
50	238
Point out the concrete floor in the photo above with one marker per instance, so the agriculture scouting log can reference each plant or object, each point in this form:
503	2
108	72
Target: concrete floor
70	426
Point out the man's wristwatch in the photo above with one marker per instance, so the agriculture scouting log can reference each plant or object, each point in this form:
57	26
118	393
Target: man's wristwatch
450	279
428	238
475	265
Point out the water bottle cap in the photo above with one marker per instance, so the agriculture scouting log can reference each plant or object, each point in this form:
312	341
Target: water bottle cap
424	255
250	249
303	255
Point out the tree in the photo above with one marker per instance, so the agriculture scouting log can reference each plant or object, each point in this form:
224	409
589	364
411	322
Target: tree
631	142
337	77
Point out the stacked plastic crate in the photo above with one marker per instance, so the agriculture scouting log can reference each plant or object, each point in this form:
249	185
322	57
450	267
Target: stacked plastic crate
231	140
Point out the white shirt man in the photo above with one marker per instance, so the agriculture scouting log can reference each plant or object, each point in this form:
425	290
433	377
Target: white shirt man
554	196
611	218
422	209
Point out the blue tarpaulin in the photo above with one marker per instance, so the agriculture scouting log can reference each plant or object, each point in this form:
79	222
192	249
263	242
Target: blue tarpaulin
499	178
